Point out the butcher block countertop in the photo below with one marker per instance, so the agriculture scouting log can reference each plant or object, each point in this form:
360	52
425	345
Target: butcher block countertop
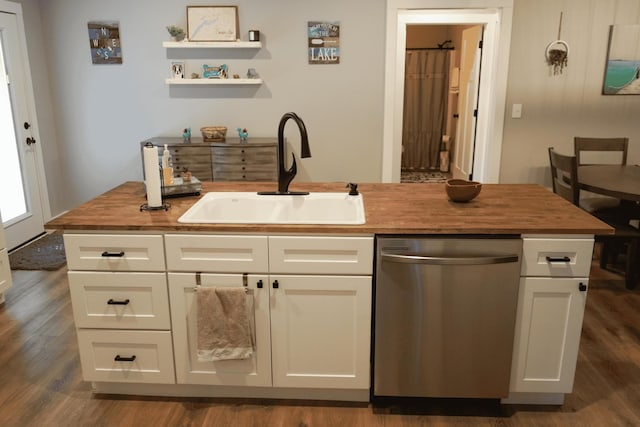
410	208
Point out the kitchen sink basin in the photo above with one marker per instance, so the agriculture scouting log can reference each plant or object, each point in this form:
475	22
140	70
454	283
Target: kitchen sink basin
252	208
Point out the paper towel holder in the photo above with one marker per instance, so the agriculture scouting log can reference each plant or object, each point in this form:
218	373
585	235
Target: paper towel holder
163	204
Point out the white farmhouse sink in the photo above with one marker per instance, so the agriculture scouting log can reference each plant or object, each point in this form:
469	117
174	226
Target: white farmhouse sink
251	208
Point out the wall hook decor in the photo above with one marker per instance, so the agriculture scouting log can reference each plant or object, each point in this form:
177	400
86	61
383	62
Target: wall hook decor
557	53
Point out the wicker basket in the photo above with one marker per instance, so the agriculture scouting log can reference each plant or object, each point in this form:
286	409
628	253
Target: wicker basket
213	133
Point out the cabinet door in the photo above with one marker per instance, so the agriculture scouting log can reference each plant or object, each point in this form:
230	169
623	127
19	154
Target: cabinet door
548	326
5	270
321	331
255	371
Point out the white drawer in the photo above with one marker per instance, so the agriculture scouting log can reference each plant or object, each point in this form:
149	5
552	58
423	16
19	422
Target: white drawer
221	254
120	300
126	356
128	252
5	270
556	257
321	255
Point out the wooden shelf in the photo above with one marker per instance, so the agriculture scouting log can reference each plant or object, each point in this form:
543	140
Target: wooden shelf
223	82
230	45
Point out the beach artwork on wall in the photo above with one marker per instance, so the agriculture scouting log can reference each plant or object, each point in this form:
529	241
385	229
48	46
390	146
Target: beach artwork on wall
622	75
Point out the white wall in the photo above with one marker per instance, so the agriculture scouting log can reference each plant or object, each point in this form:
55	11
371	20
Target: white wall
557	108
103	111
92	117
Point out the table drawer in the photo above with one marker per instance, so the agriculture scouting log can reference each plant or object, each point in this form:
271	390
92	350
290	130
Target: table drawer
560	257
126	356
112	252
221	254
120	300
321	255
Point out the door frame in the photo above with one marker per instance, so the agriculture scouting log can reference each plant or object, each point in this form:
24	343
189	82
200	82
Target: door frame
21	134
496	17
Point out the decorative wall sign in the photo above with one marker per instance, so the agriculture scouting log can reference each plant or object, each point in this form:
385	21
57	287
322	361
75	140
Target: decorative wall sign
104	40
212	23
177	69
622	75
324	42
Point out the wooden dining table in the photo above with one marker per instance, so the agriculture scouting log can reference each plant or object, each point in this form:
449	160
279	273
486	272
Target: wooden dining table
621	182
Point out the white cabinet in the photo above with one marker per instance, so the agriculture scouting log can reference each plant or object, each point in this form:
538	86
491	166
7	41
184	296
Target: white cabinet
208	46
255	371
551	303
550	312
311	330
121	307
320	331
5	268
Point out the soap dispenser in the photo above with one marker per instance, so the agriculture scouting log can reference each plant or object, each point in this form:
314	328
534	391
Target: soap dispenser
167	166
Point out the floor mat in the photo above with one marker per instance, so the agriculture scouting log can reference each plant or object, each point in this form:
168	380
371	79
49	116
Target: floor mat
416	176
44	253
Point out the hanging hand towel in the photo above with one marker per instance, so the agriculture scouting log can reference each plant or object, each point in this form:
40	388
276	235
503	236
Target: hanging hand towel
223	323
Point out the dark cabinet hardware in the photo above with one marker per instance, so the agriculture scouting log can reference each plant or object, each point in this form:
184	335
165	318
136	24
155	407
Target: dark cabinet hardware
113	254
276	285
558	259
582	287
114	302
119	358
259	284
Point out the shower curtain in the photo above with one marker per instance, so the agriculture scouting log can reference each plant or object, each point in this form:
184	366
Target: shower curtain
425	105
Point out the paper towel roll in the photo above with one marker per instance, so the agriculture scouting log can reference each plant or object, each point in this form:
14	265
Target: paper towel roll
152	176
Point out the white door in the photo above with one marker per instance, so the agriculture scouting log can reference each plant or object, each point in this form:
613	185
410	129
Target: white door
21	195
320	331
470	54
255	371
548	326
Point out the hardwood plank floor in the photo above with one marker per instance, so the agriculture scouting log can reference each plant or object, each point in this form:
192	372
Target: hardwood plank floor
41	384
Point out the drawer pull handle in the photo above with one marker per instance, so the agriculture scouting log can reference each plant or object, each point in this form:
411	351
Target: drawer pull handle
558	259
259	284
582	287
113	254
119	358
114	302
276	285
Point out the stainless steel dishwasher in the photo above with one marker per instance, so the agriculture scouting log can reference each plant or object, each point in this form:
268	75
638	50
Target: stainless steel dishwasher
445	316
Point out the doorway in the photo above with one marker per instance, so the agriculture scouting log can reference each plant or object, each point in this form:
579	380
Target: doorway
495	17
23	199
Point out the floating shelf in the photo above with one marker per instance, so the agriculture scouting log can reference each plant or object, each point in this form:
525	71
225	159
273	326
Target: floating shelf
213	81
230	45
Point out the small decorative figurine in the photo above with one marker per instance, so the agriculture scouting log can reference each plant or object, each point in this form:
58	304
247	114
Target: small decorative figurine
186	135
243	134
195	75
236	76
251	73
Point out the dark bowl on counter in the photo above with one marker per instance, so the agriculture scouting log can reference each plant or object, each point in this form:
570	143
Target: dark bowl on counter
460	190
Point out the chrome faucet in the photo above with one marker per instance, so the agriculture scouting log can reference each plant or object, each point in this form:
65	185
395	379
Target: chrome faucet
286	176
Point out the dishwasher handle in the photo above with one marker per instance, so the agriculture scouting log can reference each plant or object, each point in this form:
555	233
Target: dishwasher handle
448	260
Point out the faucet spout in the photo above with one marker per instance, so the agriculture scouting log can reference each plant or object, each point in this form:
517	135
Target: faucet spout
285	176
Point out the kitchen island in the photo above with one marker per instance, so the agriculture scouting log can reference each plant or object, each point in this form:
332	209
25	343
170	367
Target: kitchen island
133	275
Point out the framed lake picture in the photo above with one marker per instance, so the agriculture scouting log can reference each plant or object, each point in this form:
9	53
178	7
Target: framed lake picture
212	23
622	75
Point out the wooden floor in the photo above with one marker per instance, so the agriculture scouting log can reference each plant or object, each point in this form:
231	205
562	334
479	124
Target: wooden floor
40	382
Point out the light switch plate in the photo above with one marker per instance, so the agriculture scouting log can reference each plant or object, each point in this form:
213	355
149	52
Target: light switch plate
516	111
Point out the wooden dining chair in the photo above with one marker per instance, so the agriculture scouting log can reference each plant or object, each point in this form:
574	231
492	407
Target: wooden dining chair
582	145
564	180
625	240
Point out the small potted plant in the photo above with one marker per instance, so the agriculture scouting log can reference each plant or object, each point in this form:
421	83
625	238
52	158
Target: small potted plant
176	33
